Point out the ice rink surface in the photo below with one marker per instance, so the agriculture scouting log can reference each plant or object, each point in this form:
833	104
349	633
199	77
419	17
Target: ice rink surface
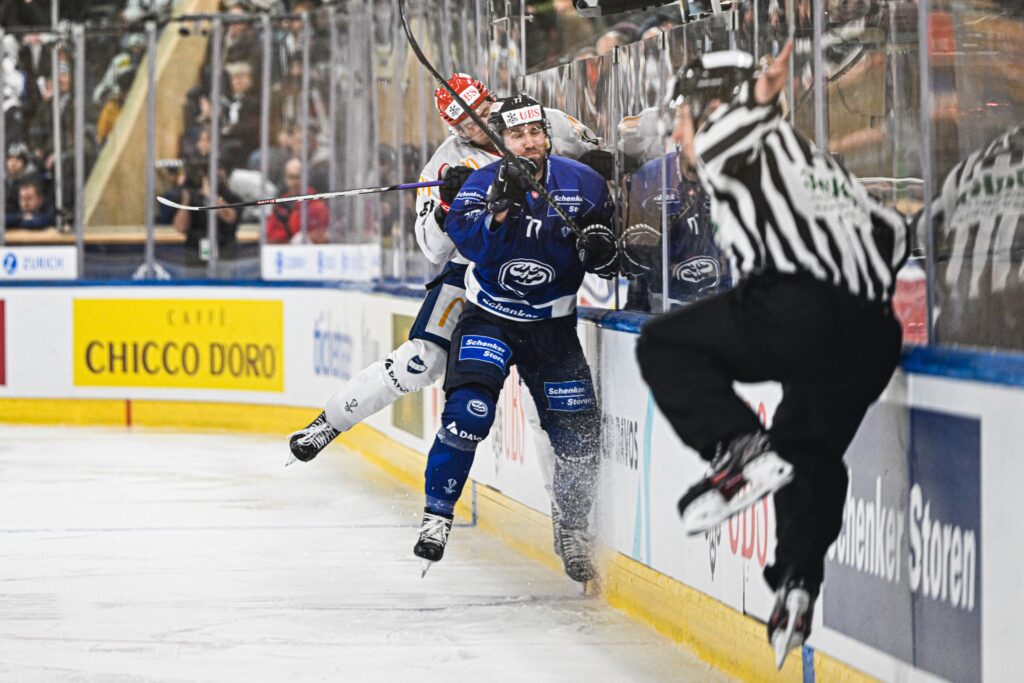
133	555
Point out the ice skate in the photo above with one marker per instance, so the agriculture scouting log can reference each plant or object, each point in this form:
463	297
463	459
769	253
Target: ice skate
575	554
306	443
741	474
790	622
434	532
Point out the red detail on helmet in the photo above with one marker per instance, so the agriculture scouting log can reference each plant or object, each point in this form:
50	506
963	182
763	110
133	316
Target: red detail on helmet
472	91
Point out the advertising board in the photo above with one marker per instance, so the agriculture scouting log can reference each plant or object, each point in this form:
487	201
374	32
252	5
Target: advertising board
179	343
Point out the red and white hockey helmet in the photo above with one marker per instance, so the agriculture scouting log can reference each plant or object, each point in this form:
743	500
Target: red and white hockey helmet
473	92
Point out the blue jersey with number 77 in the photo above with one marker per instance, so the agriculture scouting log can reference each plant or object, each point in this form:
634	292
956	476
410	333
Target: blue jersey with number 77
526	268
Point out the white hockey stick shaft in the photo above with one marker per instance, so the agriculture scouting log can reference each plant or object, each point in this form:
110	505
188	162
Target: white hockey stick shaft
300	197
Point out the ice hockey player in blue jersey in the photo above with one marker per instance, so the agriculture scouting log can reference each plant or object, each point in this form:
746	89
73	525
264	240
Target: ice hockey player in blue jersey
526	267
697	267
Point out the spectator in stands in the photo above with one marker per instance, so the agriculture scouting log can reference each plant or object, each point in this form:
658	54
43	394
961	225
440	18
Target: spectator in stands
13	93
34	213
112	107
20	169
286	100
290	43
285	222
240	115
622	33
240	42
124	62
137	10
282	148
195	190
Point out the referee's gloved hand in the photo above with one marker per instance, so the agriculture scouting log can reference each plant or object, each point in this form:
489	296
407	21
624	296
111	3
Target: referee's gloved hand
598	250
510	185
454	177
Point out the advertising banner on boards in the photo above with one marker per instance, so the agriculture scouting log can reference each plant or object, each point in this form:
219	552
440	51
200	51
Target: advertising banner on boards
3	343
904	576
181	343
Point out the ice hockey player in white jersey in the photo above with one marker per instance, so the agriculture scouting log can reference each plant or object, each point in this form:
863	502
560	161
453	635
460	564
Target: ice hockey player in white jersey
421	361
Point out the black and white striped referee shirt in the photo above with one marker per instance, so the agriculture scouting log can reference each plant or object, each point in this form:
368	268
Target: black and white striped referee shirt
781	205
979	219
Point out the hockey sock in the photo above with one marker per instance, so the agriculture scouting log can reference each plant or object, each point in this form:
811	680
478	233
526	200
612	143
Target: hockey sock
447	471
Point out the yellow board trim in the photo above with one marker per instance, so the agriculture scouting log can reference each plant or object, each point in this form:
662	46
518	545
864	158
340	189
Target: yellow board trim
731	642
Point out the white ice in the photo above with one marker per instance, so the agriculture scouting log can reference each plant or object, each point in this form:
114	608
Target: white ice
130	555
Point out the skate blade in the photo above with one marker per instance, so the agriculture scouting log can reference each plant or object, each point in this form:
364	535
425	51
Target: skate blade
425	566
797	603
784	642
591	588
291	459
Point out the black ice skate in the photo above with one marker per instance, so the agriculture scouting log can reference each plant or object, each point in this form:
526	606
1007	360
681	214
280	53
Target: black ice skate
308	442
741	474
575	554
790	622
434	530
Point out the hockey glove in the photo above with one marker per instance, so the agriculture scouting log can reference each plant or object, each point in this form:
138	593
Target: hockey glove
601	161
510	186
598	251
641	249
454	177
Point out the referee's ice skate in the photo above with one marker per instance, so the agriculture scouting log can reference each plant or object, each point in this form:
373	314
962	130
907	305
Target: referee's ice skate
306	443
790	621
434	530
743	472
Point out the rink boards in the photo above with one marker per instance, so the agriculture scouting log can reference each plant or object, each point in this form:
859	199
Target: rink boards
923	580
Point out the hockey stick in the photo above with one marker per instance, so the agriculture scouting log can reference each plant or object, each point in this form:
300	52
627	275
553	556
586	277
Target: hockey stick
301	197
495	138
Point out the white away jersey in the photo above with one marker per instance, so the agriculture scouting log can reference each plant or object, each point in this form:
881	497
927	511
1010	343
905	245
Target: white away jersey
569	138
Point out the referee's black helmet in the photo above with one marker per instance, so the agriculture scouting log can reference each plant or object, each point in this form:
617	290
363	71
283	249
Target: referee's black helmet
714	76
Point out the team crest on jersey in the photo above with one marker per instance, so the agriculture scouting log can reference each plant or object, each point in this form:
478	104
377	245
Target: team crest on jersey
524	274
416	366
703	271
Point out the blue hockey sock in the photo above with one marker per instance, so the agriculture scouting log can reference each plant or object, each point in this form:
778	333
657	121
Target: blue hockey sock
447	471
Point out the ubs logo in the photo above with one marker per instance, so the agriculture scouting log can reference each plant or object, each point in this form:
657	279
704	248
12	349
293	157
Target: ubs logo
523	274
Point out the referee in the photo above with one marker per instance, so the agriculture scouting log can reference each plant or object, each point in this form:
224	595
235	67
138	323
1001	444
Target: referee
817	258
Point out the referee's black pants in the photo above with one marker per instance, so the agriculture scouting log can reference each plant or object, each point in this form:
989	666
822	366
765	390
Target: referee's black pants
833	352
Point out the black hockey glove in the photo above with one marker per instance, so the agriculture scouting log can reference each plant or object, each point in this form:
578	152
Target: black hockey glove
598	250
641	249
510	186
454	177
601	161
